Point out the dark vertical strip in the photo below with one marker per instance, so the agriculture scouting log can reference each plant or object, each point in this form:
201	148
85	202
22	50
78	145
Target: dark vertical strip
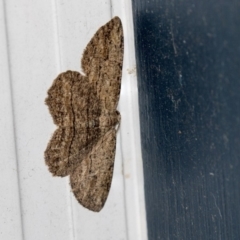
188	66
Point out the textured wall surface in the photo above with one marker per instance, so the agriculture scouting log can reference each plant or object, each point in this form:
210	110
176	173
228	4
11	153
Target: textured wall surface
188	66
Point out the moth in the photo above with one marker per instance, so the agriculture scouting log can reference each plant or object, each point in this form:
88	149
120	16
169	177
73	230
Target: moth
84	109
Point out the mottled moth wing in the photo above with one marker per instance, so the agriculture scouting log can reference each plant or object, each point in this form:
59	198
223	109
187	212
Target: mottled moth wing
68	100
92	179
102	63
84	109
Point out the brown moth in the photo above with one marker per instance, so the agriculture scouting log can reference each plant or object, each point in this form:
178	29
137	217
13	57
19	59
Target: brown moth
84	109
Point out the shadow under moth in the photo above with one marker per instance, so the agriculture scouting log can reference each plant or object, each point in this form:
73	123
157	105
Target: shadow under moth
84	109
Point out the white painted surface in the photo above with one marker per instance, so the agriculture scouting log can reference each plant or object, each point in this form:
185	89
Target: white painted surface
38	40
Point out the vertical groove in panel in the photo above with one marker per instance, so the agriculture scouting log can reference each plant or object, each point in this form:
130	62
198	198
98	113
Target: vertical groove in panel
59	63
124	192
111	8
13	117
56	40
